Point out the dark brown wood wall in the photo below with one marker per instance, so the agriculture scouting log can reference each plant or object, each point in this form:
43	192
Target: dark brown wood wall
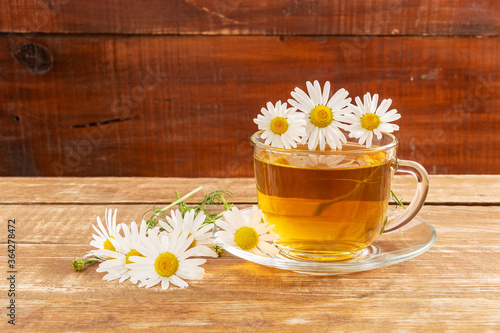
170	88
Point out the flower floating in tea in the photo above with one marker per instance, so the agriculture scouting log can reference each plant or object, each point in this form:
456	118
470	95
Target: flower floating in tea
327	162
191	225
250	234
283	127
324	119
323	114
165	259
367	119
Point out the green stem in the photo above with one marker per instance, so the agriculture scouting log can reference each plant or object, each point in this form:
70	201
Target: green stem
395	198
181	199
161	211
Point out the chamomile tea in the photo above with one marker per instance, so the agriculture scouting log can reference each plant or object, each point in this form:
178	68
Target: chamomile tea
324	207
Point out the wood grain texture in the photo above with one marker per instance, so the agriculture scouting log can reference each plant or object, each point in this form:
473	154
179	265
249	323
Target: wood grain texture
433	292
452	287
247	17
72	224
183	106
444	189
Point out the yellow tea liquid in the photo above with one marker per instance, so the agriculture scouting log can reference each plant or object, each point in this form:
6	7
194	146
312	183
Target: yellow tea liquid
323	213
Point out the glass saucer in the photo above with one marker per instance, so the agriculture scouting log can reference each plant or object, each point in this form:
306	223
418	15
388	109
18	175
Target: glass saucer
388	249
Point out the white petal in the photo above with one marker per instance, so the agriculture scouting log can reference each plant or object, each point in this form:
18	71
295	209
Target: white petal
268	248
321	137
363	138
369	139
108	253
178	281
204	251
164	284
338	97
326	93
189	275
374	103
226	226
153	281
305	97
313	139
388	118
268	237
100	233
312	93
166	226
224	234
384	106
146	248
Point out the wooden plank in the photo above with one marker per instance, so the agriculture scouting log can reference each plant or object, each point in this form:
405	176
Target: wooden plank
72	224
246	17
444	189
455	285
183	106
418	295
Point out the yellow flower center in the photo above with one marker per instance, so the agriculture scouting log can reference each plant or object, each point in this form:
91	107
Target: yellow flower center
279	125
132	253
193	244
108	245
321	116
166	264
246	238
370	121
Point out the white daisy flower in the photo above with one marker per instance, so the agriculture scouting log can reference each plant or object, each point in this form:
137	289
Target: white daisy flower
323	115
367	119
165	261
105	235
283	127
192	226
124	249
249	235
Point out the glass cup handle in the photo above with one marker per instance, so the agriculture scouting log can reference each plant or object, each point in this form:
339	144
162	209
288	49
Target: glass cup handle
418	200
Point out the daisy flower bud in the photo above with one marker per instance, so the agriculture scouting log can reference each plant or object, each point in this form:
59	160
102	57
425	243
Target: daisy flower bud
218	249
78	264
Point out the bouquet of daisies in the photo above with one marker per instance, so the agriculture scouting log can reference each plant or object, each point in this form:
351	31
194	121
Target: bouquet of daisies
316	119
170	249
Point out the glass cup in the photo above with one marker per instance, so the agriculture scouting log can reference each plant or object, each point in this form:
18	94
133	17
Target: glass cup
331	205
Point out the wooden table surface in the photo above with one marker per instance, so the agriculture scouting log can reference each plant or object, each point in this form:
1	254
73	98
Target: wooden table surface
455	286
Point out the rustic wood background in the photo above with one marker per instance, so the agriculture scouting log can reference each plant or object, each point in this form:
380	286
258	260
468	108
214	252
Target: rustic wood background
453	287
170	88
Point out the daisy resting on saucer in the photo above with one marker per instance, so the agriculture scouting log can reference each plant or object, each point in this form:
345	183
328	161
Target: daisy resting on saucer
283	127
191	226
323	115
166	260
366	119
248	234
